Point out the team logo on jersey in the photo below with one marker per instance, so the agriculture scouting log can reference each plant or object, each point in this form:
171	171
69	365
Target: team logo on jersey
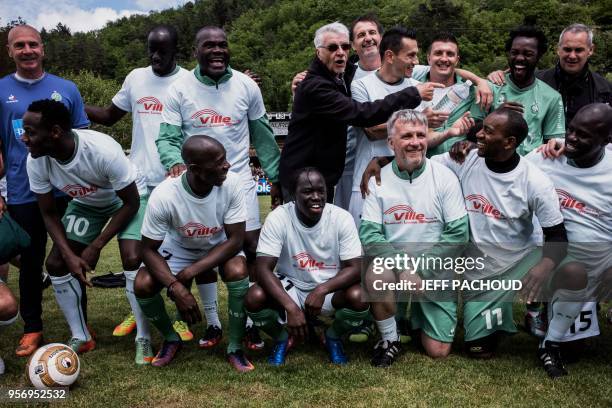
479	204
197	230
56	96
151	105
77	190
567	201
210	118
11	99
404	214
535	108
306	262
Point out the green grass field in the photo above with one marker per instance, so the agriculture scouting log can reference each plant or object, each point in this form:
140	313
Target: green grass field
109	376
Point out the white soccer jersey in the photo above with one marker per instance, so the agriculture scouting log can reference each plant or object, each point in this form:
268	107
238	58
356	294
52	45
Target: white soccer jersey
98	169
414	211
369	89
309	256
501	206
193	223
143	93
585	197
222	112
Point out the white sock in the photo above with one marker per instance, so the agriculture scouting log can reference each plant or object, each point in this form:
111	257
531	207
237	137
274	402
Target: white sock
208	294
142	324
68	295
563	313
388	329
249	322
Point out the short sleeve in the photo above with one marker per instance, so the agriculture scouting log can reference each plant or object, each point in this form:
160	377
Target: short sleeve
38	173
554	121
171	114
156	221
123	99
372	210
119	170
257	108
455	167
349	246
453	203
236	211
359	91
273	233
545	202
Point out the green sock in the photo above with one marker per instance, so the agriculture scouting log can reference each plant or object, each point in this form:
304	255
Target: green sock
267	320
345	321
402	311
155	310
236	292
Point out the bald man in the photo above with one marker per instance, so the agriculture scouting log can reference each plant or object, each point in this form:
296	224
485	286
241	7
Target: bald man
194	223
30	83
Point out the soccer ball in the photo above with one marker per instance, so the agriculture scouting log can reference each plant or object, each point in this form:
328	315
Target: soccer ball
53	365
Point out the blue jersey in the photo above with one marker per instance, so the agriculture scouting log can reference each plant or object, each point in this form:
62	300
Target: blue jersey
15	97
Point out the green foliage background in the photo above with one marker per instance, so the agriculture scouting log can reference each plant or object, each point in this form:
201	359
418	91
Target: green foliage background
274	37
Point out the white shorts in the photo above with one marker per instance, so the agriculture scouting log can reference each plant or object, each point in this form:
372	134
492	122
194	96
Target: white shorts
299	297
252	204
356	207
178	258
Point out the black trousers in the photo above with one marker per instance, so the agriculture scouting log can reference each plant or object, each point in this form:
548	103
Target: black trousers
32	258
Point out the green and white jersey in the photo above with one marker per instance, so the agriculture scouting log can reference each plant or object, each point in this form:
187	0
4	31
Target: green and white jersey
97	169
143	93
585	196
369	89
174	213
414	211
543	111
309	256
221	111
439	93
501	207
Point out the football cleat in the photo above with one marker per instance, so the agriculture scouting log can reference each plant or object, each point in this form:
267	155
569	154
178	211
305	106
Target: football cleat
536	323
386	352
253	340
144	352
363	333
335	350
550	357
182	329
167	353
238	360
211	338
279	352
80	346
126	326
29	343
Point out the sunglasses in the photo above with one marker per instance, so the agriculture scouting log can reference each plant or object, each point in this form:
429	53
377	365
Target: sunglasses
334	47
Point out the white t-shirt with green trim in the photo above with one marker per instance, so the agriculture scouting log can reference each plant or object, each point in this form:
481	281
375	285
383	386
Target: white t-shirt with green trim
97	170
222	112
175	214
414	211
143	93
309	256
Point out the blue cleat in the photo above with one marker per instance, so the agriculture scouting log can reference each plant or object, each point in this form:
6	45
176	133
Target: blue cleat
279	352
336	351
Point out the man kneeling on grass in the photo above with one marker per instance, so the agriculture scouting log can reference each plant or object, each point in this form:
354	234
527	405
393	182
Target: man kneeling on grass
318	252
194	223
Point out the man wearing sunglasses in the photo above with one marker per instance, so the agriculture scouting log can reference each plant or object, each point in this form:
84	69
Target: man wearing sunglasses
323	108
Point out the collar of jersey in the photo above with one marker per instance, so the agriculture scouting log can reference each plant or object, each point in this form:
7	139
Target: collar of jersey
404	175
188	189
515	88
29	81
458	79
76	149
177	68
206	80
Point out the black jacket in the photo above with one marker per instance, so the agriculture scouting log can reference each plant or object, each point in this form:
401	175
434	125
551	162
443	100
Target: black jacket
322	110
577	91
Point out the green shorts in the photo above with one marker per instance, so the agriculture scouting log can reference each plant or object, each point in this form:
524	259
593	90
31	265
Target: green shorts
494	313
438	320
83	223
